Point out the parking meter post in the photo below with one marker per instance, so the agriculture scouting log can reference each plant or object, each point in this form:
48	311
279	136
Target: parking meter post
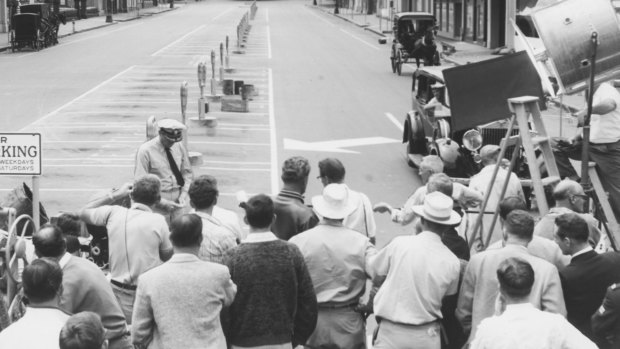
202	80
221	61
183	109
212	73
227	54
36	214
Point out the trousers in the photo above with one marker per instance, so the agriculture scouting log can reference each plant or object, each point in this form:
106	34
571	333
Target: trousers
125	299
607	159
393	335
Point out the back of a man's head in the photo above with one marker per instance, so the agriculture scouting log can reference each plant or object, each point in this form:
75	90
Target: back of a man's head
440	182
572	226
295	170
186	231
332	169
146	190
259	211
519	224
516	277
83	331
69	223
565	188
203	192
510	204
42	280
49	241
432	163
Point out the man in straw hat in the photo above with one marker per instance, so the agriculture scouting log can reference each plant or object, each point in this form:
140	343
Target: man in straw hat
419	271
337	258
165	157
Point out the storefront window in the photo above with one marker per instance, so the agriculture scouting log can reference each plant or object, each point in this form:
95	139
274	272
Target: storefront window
469	20
481	27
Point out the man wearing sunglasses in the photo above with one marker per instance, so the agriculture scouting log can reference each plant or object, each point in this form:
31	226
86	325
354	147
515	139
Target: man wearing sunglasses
166	157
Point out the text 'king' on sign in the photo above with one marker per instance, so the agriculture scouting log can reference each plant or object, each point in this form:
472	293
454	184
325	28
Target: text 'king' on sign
20	154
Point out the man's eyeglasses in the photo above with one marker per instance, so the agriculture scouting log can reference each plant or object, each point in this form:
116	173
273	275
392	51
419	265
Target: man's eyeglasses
581	196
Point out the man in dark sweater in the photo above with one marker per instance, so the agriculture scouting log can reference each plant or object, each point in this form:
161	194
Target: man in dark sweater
292	215
275	304
586	279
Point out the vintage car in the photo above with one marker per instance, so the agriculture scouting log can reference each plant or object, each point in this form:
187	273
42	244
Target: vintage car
428	127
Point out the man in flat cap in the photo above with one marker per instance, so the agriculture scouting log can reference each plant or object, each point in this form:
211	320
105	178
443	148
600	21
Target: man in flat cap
166	157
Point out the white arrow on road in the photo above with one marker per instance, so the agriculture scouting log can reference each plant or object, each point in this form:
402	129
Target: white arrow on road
336	146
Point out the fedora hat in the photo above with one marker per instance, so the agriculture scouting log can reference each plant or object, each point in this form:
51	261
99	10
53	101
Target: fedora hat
335	203
438	208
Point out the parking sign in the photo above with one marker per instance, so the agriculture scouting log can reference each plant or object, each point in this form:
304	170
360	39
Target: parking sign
20	154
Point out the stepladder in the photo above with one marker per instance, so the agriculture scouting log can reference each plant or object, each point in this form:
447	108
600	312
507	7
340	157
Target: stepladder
525	112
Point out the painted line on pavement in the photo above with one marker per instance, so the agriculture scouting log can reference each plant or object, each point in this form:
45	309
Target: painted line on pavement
142	141
268	43
88	190
319	17
235	169
177	41
272	138
54	112
395	121
267	15
360	40
103	159
221	14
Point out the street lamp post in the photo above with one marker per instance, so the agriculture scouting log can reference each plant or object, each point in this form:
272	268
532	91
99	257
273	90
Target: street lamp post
108	11
336	11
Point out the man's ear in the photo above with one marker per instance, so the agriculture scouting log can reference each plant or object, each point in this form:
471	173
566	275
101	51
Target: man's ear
105	344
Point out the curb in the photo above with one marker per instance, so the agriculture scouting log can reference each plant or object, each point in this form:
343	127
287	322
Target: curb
5	48
365	26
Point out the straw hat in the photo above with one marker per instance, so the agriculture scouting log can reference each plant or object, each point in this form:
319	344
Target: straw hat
438	208
335	203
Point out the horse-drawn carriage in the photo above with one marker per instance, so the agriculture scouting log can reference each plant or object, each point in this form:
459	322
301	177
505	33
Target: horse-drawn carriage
414	38
36	26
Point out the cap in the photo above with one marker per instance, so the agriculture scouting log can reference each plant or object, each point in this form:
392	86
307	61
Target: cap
171	128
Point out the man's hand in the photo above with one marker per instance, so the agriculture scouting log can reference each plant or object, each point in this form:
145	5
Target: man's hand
383	207
183	199
169	205
124	190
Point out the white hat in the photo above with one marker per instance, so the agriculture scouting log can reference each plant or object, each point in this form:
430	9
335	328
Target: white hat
170	124
438	208
335	203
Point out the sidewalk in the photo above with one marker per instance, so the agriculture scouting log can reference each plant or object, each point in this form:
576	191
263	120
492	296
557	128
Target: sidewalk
464	52
83	25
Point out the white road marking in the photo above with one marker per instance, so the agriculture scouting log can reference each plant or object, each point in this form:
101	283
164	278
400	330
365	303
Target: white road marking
267	15
272	138
221	14
319	17
336	145
268	43
395	121
54	112
235	169
142	141
360	40
89	190
177	41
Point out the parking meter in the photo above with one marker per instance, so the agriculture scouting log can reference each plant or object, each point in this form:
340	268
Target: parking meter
183	108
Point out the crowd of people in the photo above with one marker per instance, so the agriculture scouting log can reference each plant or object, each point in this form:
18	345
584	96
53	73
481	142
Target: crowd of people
183	273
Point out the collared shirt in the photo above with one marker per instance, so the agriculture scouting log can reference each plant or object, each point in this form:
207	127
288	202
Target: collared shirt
136	237
363	218
337	259
292	215
39	328
230	220
152	158
541	248
216	239
606	128
522	326
460	193
260	237
419	272
480	183
586	249
545	227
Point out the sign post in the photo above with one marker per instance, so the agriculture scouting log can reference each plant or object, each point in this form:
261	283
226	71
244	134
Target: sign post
20	155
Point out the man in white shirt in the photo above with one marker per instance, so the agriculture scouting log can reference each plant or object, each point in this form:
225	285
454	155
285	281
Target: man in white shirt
40	327
138	237
520	324
362	219
419	271
604	147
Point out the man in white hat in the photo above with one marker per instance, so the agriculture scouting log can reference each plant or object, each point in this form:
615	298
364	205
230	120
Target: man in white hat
436	104
337	258
419	271
166	157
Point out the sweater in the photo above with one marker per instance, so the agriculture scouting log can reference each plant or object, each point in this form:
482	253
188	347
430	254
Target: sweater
275	302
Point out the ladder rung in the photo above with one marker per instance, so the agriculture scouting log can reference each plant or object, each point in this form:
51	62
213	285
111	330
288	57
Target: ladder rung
512	140
550	180
538	140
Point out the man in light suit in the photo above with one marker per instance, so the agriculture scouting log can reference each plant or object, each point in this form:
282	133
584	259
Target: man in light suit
178	303
480	290
586	278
